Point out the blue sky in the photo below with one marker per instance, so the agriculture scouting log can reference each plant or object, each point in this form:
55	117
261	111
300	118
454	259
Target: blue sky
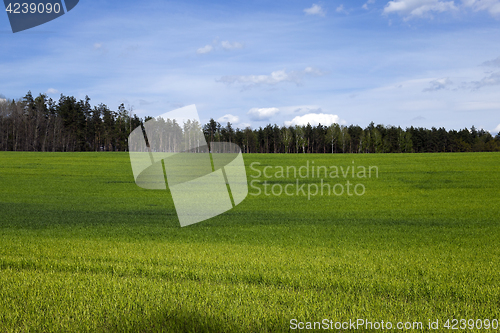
404	62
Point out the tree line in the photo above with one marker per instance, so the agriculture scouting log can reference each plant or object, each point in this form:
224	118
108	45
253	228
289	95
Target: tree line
42	124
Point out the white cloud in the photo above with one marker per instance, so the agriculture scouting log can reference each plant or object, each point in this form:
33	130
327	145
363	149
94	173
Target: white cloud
492	6
275	77
497	129
315	10
439	84
229	46
52	91
100	47
2	100
216	45
492	63
299	109
314	119
272	79
492	80
369	2
263	113
228	118
418	8
313	71
341	9
205	49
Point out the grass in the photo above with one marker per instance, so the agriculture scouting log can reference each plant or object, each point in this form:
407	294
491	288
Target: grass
82	248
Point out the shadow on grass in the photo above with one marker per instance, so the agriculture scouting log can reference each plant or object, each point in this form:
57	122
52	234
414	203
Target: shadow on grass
181	321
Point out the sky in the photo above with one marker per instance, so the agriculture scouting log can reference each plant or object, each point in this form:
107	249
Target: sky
422	63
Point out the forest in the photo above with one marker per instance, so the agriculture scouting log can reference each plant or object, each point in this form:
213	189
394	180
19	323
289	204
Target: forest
68	125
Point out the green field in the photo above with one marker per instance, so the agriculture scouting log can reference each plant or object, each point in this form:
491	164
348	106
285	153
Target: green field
82	248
